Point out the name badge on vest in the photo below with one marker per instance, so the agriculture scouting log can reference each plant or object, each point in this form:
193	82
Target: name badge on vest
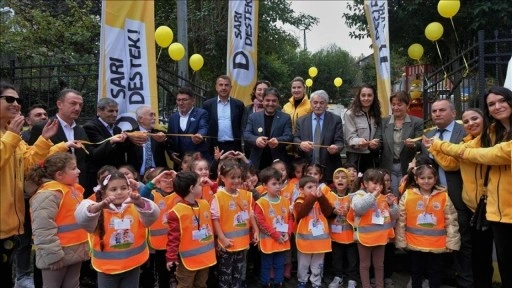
377	217
122	224
245	215
426	220
336	228
199	234
317	227
281	227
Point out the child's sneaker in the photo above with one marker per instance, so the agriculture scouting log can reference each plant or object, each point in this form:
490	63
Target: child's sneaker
352	284
337	282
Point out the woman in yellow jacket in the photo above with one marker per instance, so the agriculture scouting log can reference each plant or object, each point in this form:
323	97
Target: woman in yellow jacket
299	104
16	158
473	179
498	111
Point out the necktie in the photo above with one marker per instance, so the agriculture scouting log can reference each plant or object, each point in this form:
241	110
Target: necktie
148	156
441	131
317	141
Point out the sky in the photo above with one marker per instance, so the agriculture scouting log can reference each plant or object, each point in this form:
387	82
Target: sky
331	28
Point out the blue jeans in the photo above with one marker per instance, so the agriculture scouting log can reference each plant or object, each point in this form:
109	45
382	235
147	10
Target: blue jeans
273	261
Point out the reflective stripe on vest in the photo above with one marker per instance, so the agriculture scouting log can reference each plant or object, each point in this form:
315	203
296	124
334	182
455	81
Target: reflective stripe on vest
231	209
197	251
119	255
426	232
275	211
311	237
306	242
345	233
238	233
375	227
158	230
366	232
68	228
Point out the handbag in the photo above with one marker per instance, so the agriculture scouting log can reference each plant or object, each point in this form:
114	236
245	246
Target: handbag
478	220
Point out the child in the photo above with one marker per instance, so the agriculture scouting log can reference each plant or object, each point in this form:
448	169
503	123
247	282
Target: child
427	226
209	187
354	177
117	224
389	250
372	215
311	210
232	215
159	189
298	168
129	172
274	219
287	185
61	246
342	235
190	233
187	159
408	180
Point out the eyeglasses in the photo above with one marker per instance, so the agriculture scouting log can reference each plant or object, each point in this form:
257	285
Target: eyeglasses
11	99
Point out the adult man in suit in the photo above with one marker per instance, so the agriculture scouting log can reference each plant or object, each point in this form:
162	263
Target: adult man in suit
188	120
151	153
443	116
225	115
330	135
36	114
265	129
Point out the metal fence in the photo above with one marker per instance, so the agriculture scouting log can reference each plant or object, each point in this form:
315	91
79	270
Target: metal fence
466	78
41	82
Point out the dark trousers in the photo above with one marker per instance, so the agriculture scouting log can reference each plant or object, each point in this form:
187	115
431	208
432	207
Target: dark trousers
22	254
7	248
230	145
345	260
362	161
426	265
502	233
230	265
154	268
483	270
273	261
463	261
389	260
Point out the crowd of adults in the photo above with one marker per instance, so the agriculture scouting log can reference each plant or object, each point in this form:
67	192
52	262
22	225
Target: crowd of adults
303	129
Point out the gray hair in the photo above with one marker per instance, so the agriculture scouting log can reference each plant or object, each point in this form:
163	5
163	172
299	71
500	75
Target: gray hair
103	103
450	103
140	110
322	94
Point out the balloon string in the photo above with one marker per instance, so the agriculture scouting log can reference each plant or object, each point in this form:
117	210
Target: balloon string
458	44
442	63
158	57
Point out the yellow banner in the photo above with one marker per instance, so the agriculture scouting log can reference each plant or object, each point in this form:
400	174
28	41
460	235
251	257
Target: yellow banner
127	58
377	16
242	54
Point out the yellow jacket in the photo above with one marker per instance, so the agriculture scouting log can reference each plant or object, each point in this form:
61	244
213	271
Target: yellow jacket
16	158
499	201
297	112
472	173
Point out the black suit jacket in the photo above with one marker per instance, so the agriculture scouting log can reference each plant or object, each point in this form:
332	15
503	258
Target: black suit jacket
82	158
134	152
97	132
237	114
332	134
453	178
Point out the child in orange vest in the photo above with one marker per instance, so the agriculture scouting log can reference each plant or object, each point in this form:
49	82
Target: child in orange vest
372	215
274	219
61	246
311	210
427	226
190	244
342	234
117	224
159	189
209	187
232	215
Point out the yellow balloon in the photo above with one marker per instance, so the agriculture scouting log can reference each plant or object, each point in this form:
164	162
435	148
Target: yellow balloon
196	62
338	82
176	51
448	8
163	36
313	72
434	31
309	82
415	51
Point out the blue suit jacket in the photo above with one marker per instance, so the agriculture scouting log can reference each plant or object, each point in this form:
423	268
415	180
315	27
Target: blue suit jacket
281	130
197	124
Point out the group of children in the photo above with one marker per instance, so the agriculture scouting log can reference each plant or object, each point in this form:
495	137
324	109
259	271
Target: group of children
186	223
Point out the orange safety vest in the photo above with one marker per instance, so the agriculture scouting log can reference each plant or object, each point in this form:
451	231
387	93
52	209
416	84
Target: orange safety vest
368	233
234	214
314	222
197	247
207	193
158	230
340	230
68	231
275	213
125	245
261	190
425	222
287	191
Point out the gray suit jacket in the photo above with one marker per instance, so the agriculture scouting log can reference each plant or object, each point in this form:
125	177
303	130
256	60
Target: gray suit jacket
281	130
385	131
332	134
453	178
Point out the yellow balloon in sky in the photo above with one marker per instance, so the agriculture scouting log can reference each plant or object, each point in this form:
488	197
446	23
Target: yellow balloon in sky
176	51
415	51
196	62
309	82
434	31
313	72
338	82
163	36
448	8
